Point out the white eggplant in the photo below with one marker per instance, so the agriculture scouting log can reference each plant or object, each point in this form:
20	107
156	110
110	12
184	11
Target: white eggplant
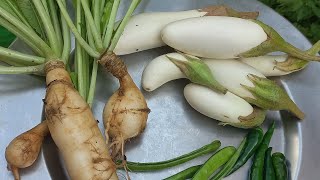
226	38
238	78
143	30
267	64
227	108
160	71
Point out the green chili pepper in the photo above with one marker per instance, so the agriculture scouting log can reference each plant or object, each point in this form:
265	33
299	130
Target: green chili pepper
269	173
256	171
214	162
254	139
185	174
228	166
280	166
209	148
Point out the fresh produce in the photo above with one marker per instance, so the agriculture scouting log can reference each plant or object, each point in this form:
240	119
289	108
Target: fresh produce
256	170
160	71
126	112
280	166
69	118
214	162
185	174
209	148
164	68
278	65
228	166
24	149
239	78
227	108
269	171
227	37
254	139
143	30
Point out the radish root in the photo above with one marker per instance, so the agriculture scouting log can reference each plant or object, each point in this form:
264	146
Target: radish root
74	128
126	112
23	150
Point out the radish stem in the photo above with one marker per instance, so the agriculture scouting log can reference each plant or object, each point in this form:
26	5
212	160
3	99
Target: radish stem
38	69
28	33
79	52
56	23
124	22
73	28
94	29
96	14
17	11
110	27
47	24
66	39
18	57
209	148
93	81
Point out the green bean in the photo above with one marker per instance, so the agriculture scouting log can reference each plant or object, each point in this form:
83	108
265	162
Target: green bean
228	166
185	174
280	166
256	171
254	139
209	148
214	162
269	173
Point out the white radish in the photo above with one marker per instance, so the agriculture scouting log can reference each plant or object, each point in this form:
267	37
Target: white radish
160	71
143	30
226	38
227	108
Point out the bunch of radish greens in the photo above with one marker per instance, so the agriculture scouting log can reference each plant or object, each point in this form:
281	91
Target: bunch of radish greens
228	83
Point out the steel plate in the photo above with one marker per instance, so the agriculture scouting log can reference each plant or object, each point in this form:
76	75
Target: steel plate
174	128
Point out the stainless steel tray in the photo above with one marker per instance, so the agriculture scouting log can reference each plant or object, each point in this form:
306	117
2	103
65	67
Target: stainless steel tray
174	128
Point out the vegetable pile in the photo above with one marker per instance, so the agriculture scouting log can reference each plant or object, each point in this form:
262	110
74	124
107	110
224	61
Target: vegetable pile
222	52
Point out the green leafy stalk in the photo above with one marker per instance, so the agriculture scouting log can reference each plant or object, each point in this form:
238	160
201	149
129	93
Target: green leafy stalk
96	14
29	11
124	22
93	81
56	23
94	29
50	32
106	12
38	69
92	52
17	12
21	35
111	21
29	33
79	57
20	58
66	39
45	5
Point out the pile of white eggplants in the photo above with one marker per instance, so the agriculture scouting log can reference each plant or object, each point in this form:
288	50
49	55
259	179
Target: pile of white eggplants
225	58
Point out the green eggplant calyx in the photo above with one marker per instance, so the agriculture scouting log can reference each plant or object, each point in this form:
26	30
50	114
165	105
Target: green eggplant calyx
253	120
269	95
275	42
222	10
292	64
198	72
